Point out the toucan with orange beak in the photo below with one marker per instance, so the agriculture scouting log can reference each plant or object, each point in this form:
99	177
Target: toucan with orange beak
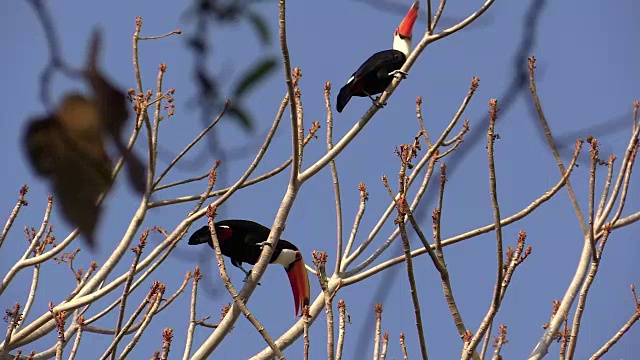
375	74
243	240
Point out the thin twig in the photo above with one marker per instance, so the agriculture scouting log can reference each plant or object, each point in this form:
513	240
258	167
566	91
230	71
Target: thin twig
607	185
427	158
192	314
425	134
457	139
297	75
429	19
334	175
514	259
342	310
592	191
635	120
127	285
13	317
582	299
542	347
167	338
563	337
364	196
403	347
167	302
311	135
438	259
174	32
32	295
180	182
485	342
407	153
620	180
416	200
500	340
191	144
632	320
436	18
305	326
282	29
60	323
232	291
625	183
25	261
76	341
353	278
385	343
14	213
213	175
552	144
150	298
136	66
320	262
376	338
495	302
153	309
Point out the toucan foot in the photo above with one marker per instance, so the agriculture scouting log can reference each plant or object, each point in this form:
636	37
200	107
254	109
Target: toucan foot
402	73
247	277
377	103
262	244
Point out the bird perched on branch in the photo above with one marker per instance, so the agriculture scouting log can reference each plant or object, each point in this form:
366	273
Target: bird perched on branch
375	74
243	240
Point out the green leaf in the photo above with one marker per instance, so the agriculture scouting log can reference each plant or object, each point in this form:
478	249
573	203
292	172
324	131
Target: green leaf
243	118
253	76
260	26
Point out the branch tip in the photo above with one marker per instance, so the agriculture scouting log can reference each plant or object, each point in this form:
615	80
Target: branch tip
475	83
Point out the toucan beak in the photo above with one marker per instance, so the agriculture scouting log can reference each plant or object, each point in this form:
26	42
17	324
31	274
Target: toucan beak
299	283
201	236
405	29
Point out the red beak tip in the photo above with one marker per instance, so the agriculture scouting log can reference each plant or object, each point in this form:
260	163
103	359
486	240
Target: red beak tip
300	286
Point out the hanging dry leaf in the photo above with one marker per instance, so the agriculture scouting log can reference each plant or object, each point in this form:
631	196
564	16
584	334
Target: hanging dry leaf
69	147
38	140
113	109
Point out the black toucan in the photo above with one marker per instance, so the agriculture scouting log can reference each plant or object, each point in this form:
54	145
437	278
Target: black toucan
375	74
242	241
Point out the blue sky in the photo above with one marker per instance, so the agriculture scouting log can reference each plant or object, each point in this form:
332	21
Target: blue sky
588	76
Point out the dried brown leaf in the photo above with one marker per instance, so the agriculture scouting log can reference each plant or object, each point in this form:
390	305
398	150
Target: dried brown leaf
112	105
69	149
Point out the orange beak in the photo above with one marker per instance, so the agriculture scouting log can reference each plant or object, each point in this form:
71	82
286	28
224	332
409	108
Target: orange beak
406	26
299	283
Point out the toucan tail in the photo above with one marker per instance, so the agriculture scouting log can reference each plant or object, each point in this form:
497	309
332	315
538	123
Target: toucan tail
344	96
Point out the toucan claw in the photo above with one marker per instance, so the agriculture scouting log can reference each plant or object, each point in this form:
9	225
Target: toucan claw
247	276
402	73
262	244
377	103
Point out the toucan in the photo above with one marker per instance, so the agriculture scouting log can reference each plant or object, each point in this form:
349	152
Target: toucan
243	240
375	74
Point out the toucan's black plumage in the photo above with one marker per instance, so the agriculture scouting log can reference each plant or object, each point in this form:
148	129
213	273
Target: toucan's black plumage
242	242
375	74
372	77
